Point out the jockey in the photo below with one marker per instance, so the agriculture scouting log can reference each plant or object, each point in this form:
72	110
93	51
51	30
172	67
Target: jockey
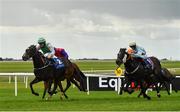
138	52
49	51
46	48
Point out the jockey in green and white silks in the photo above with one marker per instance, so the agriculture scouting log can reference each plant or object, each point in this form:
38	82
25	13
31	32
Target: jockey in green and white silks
49	52
46	48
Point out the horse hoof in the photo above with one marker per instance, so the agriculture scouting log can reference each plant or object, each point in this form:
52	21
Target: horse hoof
120	93
61	98
149	98
159	96
55	92
36	94
131	91
66	97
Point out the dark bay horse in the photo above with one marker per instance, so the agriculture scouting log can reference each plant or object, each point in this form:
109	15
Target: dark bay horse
45	71
135	72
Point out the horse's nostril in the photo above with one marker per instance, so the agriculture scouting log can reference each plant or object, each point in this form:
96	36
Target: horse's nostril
24	58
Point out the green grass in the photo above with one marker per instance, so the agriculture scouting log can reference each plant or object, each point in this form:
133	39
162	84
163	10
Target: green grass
19	66
96	65
84	65
171	64
97	100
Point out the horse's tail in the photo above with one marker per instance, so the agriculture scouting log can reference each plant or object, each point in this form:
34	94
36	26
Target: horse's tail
79	72
167	75
79	76
82	75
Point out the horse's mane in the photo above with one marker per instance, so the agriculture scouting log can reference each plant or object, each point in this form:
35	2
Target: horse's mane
33	47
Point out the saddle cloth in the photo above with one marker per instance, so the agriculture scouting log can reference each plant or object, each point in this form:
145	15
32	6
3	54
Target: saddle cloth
150	63
58	63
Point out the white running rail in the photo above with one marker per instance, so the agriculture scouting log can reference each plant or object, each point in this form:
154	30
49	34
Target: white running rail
26	75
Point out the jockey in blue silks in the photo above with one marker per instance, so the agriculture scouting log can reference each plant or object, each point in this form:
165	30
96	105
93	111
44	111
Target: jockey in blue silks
139	52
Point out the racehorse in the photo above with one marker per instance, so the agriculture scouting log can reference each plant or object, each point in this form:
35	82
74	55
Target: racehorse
167	79
45	71
134	71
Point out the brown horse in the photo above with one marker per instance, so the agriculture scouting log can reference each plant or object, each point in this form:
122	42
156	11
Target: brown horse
45	71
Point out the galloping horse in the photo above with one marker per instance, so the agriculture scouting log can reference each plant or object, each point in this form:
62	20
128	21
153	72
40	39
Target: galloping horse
134	71
45	71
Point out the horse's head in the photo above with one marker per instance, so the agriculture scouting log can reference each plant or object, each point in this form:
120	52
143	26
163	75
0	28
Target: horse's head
29	52
121	56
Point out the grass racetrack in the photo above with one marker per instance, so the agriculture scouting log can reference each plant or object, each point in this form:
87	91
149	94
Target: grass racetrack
80	101
97	100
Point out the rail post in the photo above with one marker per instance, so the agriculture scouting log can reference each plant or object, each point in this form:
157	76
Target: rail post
15	84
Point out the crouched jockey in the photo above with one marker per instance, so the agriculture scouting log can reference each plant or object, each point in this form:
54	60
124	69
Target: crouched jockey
52	53
138	52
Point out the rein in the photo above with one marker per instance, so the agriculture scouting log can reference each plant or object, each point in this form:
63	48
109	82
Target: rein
133	70
45	66
42	67
130	57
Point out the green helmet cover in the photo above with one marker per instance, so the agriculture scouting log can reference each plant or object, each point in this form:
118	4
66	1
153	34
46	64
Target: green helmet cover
41	40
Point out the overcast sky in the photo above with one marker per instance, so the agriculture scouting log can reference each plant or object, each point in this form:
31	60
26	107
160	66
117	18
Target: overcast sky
91	28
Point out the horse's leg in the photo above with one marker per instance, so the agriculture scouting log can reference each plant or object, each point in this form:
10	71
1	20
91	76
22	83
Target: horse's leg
130	91
167	89
140	94
54	88
122	86
49	88
158	90
46	85
36	80
61	89
143	90
67	85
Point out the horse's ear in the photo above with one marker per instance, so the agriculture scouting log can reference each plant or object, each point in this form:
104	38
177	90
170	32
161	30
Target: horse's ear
122	49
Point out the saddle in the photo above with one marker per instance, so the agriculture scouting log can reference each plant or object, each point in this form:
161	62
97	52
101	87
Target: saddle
58	63
147	63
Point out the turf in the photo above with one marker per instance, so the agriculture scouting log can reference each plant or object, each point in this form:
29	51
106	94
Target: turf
84	65
97	100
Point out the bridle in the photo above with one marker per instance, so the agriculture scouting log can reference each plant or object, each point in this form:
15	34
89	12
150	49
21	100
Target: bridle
41	59
125	59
